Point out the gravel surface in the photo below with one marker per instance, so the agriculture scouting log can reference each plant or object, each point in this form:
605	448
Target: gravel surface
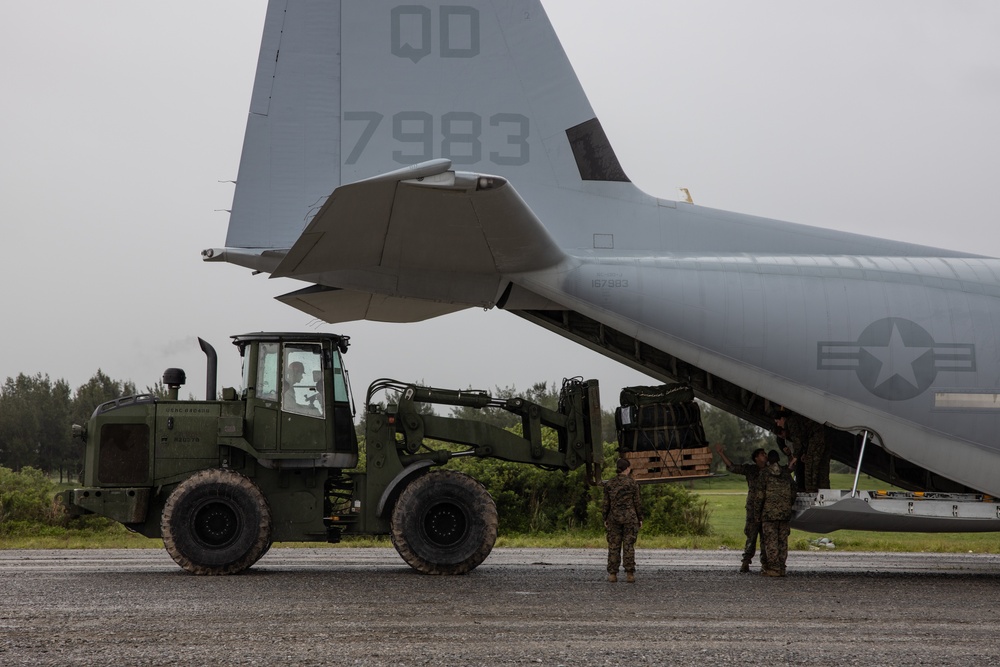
521	607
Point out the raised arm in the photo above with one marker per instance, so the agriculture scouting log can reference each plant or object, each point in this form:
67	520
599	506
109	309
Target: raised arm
721	451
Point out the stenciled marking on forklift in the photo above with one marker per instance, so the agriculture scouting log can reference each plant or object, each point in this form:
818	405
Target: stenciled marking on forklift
177	410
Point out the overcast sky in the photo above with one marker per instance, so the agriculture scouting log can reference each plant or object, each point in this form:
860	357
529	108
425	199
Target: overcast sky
121	117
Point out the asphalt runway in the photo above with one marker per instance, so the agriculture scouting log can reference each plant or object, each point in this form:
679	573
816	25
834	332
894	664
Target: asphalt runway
521	607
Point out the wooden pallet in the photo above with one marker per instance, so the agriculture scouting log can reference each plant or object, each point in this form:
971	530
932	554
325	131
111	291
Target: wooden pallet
670	464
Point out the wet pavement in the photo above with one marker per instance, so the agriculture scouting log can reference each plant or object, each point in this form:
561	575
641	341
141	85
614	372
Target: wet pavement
521	607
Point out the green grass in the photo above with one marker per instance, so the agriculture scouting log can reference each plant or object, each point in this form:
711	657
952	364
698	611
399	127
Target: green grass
115	537
726	498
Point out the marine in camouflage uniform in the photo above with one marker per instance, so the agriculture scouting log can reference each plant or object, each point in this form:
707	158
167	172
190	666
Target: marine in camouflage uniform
813	450
751	526
622	512
775	498
818	462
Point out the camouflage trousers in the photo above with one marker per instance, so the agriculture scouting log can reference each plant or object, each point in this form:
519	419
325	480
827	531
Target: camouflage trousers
752	530
817	468
621	543
774	544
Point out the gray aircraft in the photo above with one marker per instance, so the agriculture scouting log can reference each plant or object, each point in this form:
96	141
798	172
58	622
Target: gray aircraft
408	160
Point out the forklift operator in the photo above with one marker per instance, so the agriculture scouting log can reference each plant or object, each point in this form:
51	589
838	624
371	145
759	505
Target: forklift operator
290	398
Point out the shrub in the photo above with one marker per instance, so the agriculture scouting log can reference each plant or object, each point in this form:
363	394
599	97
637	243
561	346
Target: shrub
673	510
533	500
26	500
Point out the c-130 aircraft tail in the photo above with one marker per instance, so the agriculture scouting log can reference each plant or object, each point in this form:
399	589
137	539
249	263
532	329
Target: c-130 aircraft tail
411	160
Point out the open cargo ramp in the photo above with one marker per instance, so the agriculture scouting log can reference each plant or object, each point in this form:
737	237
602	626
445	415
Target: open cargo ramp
896	511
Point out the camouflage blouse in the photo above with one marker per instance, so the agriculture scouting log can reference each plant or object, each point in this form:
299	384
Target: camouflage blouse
622	501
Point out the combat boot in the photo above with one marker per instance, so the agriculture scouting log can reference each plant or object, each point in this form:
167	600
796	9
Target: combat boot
613	578
745	567
630	577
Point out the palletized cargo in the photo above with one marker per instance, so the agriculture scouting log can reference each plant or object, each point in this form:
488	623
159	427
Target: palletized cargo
658	465
660	432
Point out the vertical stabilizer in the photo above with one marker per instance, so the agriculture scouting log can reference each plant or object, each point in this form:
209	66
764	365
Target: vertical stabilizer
292	144
348	89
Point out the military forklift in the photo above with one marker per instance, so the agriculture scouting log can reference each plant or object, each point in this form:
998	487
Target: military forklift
278	460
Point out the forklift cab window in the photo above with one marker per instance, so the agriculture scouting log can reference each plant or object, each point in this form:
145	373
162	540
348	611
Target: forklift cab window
302	388
339	380
244	384
267	372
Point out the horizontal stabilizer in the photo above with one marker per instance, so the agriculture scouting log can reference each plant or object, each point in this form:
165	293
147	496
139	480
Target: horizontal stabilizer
258	259
336	305
423	232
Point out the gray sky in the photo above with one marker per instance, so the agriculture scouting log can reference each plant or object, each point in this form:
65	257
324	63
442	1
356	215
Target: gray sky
120	117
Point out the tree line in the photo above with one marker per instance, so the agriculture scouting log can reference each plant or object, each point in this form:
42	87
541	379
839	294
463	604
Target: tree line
37	414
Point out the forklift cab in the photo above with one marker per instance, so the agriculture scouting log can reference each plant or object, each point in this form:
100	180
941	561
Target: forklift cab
297	395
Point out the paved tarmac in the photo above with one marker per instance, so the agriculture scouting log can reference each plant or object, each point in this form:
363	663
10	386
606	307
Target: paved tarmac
521	607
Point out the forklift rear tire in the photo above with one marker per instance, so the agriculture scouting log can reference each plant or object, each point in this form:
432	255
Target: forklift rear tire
216	522
444	522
